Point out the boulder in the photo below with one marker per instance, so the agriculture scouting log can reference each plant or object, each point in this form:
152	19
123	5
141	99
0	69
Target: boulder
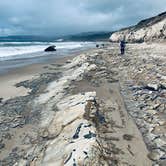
97	45
50	48
155	155
152	87
2	146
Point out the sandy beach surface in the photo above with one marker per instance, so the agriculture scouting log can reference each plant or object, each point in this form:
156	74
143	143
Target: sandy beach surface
96	108
9	79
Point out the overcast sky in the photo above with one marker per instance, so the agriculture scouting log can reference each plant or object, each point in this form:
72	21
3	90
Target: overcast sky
56	17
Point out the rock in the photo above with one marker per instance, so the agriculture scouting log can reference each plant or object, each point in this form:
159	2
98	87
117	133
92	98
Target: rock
163	85
99	62
45	134
5	128
143	130
152	112
73	108
152	87
15	124
162	122
156	106
103	45
103	68
154	156
2	145
50	48
92	67
163	77
76	135
68	61
127	137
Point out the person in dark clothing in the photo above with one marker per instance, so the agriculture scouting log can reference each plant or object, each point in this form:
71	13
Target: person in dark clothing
122	47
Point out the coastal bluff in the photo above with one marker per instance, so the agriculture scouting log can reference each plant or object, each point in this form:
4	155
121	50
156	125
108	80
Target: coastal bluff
151	29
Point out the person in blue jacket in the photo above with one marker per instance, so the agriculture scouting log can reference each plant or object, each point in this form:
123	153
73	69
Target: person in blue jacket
122	47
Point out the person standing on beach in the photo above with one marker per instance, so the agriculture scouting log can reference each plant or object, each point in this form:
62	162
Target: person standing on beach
122	47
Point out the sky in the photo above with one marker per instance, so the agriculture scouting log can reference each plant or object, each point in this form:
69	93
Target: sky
62	17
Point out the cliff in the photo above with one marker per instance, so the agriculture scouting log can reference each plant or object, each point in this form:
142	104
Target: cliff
151	29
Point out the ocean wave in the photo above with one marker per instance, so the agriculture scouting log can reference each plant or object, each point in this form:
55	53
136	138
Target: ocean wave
9	50
3	44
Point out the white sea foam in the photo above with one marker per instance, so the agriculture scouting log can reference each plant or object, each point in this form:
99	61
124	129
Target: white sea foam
9	50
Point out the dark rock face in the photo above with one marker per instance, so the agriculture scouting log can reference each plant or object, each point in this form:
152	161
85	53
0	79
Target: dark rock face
50	48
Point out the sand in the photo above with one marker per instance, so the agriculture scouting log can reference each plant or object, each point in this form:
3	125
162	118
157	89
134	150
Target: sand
8	80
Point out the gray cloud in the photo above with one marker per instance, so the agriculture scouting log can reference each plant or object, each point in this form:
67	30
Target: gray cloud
53	17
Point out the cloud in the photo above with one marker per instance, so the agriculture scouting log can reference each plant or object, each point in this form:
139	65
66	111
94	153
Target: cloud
54	17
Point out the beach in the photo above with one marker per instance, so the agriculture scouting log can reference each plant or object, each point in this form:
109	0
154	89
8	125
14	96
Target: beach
9	79
20	61
95	107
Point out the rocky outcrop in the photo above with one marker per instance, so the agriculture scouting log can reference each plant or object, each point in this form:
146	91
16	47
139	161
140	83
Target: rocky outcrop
50	48
150	29
69	136
76	136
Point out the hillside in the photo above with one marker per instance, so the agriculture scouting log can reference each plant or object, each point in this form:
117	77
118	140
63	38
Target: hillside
89	36
151	29
85	36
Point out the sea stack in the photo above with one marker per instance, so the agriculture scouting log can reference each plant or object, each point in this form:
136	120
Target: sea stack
50	48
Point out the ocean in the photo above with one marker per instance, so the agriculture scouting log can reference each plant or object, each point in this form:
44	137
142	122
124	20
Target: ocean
18	54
